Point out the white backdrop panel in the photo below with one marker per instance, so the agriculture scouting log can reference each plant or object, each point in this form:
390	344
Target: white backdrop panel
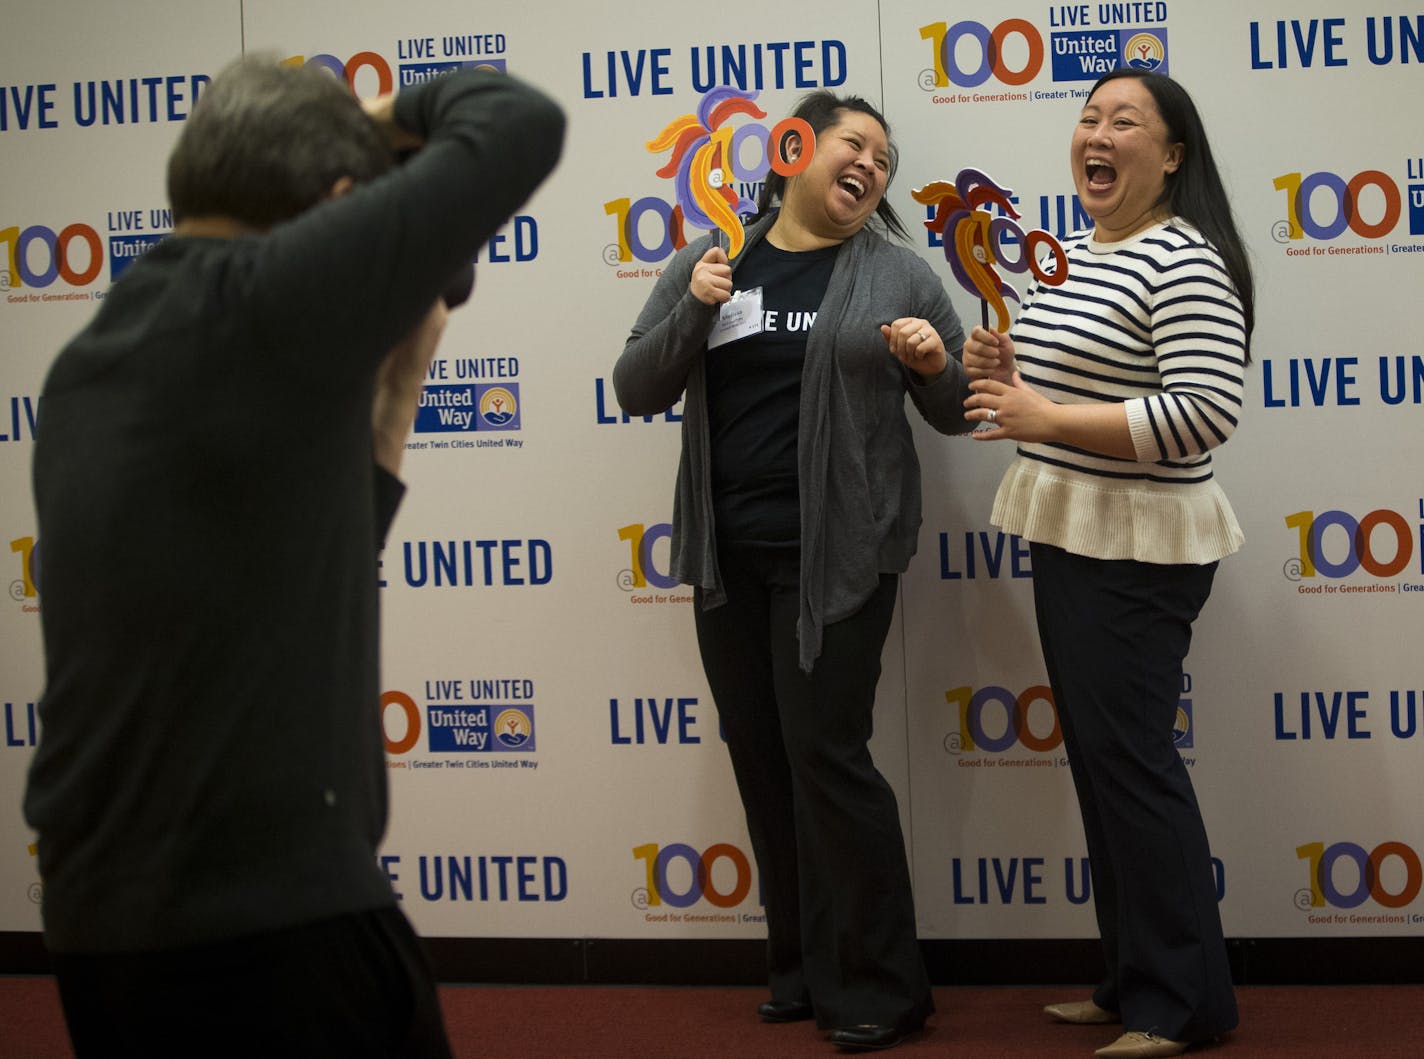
555	762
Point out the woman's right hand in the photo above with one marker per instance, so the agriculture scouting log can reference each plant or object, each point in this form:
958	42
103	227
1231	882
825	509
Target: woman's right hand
712	278
989	355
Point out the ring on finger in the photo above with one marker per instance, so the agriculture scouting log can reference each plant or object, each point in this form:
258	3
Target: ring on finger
923	336
993	415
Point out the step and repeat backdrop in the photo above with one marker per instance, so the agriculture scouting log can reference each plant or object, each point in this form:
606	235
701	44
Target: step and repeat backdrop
554	756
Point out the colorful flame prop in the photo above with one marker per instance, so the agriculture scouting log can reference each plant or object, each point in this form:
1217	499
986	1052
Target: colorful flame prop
973	239
701	163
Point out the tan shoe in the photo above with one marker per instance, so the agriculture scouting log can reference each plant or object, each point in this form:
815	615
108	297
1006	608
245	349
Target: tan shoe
1081	1013
1136	1045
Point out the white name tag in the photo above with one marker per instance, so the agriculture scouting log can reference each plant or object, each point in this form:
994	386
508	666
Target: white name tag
738	318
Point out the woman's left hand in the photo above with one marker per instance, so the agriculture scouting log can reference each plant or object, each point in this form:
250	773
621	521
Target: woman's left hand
1011	412
917	345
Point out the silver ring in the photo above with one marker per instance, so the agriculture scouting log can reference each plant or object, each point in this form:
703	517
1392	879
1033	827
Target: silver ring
923	336
993	415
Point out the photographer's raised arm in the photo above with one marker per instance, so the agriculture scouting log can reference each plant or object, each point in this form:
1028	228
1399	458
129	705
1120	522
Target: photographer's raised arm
483	141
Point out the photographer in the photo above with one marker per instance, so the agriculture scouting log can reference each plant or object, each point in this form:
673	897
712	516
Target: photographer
213	477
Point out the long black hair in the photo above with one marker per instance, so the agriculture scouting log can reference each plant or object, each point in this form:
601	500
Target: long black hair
1195	192
821	110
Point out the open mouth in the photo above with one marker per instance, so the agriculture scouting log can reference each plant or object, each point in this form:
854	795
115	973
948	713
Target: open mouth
852	186
1101	176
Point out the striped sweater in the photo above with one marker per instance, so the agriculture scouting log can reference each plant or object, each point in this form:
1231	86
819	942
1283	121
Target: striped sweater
1151	322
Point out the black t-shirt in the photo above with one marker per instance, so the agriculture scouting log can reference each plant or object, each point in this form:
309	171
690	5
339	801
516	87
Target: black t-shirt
754	397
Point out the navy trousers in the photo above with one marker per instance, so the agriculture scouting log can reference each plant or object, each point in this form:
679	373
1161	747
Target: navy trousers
1115	634
824	825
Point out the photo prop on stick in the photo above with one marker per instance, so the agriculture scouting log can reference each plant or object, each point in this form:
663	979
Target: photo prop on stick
973	240
706	158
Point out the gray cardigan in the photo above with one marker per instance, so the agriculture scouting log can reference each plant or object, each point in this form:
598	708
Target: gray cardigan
859	475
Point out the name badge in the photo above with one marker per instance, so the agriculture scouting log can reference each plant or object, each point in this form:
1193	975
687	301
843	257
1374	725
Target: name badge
739	318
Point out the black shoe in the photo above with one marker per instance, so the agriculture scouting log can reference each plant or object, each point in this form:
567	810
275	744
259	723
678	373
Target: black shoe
871	1037
785	1011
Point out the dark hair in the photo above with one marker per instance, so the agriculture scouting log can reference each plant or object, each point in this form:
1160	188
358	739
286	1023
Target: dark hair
1195	192
821	110
266	142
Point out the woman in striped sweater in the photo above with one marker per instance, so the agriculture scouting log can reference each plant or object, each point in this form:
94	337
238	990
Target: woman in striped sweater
1116	385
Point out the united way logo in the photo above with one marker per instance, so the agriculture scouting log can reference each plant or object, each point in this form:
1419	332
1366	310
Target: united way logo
1182	726
514	728
1144	51
499	407
1087	54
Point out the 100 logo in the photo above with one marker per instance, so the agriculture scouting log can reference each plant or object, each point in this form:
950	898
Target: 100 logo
36	256
1358	538
1342	207
1322	859
643	569
700	868
28	551
945	40
1013	711
347	71
634	218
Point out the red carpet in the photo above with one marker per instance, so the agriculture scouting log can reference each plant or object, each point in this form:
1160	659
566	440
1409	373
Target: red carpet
982	1023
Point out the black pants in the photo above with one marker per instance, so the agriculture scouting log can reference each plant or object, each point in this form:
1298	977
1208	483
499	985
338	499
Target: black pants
1114	637
355	986
824	824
